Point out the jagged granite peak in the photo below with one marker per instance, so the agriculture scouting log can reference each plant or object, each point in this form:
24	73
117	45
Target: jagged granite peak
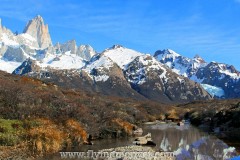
38	30
86	52
70	45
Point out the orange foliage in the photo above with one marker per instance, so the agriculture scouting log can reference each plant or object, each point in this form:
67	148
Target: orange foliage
128	127
46	138
76	130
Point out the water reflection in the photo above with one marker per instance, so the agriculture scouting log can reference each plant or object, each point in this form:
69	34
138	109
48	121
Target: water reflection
188	142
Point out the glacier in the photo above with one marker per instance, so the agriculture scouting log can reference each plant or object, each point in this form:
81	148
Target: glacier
213	90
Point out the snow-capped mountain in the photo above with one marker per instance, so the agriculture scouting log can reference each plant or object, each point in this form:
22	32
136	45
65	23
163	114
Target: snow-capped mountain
155	81
179	64
219	79
35	43
116	71
123	72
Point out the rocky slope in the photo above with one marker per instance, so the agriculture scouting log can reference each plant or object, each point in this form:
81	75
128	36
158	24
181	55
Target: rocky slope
219	77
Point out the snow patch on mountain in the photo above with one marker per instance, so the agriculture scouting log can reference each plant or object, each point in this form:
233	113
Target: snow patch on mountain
63	61
102	63
179	64
120	55
28	37
9	66
101	78
163	75
9	42
213	90
180	70
225	70
137	71
99	68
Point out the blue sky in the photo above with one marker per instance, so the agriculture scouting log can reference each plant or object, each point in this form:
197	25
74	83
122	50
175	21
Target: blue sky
210	28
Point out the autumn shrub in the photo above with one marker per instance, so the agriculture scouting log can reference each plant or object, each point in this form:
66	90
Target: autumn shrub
172	115
45	138
77	133
126	126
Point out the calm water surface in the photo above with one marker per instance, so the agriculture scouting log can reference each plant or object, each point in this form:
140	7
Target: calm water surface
186	141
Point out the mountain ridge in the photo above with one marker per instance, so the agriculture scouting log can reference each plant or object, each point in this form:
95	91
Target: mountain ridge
111	71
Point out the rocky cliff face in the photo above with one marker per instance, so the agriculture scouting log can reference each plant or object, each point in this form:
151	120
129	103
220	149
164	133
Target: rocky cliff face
38	30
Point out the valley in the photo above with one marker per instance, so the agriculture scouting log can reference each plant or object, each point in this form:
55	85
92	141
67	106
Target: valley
61	97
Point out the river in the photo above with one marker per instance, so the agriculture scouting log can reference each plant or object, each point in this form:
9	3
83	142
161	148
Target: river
186	141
